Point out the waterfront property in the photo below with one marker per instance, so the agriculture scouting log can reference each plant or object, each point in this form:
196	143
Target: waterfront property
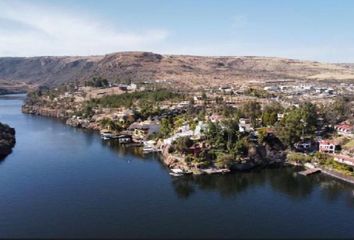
328	146
217	134
142	130
345	129
344	159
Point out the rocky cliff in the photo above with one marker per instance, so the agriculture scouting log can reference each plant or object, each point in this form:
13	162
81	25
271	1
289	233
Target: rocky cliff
7	140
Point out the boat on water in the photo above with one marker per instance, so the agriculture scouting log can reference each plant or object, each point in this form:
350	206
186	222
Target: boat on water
176	174
176	170
105	135
149	147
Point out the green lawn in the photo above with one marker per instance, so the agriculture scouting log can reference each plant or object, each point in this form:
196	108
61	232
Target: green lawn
349	144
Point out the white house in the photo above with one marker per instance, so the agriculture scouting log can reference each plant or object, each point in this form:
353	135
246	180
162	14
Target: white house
327	146
132	87
245	125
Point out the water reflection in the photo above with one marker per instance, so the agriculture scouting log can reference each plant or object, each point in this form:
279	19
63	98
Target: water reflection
125	150
283	180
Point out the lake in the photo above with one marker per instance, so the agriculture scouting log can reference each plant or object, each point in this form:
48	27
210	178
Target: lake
66	182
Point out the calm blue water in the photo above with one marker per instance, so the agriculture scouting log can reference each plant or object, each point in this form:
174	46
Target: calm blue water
65	182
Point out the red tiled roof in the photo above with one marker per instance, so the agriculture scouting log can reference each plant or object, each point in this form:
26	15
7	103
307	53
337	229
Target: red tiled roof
344	126
327	142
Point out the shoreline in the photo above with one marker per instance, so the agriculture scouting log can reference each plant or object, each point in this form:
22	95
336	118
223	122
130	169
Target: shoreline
328	172
337	175
169	160
8	140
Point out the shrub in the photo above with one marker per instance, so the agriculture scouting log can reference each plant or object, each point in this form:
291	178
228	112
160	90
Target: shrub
299	157
224	161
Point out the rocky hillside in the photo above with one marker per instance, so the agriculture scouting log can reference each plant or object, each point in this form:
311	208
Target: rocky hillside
7	140
180	70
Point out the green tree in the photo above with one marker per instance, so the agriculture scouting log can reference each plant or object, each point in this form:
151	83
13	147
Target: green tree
111	125
338	111
309	116
215	135
182	144
224	160
241	147
270	114
204	96
297	122
232	130
252	110
166	127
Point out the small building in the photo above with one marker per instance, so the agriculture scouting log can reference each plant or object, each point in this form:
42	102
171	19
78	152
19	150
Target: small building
328	146
344	129
344	159
216	118
226	89
123	87
184	104
245	125
132	87
124	138
125	116
280	116
142	130
305	146
198	99
271	88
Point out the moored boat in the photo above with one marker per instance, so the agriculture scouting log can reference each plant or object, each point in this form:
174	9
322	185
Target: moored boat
149	147
106	134
176	174
177	170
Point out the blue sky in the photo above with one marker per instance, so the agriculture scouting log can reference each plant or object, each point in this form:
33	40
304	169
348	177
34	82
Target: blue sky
312	29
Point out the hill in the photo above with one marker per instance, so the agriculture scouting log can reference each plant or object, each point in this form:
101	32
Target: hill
180	70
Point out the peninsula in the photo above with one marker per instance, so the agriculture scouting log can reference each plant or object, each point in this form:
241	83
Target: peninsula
214	129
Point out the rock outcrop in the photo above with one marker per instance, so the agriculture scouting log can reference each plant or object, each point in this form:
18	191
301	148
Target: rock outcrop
44	111
7	140
270	152
82	123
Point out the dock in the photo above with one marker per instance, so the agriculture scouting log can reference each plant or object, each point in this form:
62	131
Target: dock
310	171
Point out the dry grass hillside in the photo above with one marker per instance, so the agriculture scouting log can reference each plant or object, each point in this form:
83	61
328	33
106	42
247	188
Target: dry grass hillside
180	70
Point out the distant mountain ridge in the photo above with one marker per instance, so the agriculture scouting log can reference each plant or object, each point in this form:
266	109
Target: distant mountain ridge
180	70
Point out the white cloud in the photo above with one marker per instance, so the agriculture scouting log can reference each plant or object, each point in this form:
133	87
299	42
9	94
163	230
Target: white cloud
27	30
